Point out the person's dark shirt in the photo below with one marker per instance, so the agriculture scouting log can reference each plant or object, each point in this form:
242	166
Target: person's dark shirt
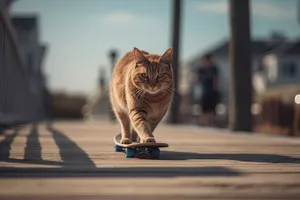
206	77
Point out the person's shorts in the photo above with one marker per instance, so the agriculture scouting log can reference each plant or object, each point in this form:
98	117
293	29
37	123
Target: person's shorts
209	101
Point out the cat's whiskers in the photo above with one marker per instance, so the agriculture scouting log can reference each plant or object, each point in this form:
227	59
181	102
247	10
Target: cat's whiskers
139	93
136	93
169	90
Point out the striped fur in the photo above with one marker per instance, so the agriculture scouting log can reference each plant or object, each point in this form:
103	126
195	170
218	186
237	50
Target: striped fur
141	90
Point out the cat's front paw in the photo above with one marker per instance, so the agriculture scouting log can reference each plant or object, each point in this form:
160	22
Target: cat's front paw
125	141
148	139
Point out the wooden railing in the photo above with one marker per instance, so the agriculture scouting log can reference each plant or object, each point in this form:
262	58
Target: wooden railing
16	100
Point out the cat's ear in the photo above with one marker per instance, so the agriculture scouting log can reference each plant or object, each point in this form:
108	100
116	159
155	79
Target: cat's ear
139	57
167	57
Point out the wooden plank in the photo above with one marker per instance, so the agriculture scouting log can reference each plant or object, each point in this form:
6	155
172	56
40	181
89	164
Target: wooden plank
78	161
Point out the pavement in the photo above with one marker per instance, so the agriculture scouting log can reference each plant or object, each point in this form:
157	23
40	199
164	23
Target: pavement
76	160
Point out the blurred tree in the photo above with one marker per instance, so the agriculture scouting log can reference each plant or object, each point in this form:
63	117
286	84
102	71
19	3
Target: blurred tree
102	81
113	57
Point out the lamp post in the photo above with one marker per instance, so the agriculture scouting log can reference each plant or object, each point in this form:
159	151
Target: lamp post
113	57
173	117
240	101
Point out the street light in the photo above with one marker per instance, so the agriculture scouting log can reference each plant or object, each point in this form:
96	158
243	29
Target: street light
297	99
113	55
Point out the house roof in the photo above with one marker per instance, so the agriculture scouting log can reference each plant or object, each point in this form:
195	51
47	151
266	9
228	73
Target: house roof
287	47
6	3
24	22
259	47
294	48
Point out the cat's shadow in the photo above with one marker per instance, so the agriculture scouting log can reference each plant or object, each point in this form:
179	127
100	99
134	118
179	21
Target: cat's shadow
243	157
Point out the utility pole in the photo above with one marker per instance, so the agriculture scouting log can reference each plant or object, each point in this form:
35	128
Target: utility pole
174	110
113	56
240	116
298	12
102	81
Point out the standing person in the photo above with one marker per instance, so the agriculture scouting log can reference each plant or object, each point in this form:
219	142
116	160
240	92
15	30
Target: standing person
208	76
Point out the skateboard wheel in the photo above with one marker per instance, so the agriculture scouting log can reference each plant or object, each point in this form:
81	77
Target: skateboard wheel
155	153
129	153
118	148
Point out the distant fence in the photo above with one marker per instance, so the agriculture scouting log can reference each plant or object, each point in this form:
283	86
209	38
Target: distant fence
65	106
16	100
280	114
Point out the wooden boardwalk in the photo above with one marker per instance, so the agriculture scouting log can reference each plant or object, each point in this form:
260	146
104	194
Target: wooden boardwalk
76	160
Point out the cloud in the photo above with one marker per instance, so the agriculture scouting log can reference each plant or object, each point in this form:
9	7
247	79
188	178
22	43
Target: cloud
123	17
268	10
118	17
126	18
214	7
273	11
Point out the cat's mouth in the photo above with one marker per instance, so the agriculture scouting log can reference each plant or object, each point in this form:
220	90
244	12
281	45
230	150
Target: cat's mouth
153	90
157	90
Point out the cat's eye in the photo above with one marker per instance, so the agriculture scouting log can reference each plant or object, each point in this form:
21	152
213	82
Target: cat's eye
160	75
144	75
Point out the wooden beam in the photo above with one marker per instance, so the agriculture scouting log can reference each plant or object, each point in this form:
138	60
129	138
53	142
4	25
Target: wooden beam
240	101
113	58
174	110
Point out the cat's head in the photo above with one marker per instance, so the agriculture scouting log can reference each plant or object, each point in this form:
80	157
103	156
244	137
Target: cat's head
152	73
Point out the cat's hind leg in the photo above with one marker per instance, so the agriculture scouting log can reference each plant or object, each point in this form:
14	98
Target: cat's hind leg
125	127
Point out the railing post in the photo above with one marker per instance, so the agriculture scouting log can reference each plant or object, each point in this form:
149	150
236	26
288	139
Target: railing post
240	101
174	110
113	56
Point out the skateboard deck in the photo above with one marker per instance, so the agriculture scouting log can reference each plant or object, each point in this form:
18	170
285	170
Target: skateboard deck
139	150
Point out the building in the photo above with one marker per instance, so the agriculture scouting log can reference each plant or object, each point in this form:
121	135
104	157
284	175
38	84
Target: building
281	66
264	53
21	77
5	4
33	54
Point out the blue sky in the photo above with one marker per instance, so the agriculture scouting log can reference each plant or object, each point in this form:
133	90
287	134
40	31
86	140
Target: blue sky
81	32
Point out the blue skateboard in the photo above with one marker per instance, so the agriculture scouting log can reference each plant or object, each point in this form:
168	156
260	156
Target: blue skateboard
139	150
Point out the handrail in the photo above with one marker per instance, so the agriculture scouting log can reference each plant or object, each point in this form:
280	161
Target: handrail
12	36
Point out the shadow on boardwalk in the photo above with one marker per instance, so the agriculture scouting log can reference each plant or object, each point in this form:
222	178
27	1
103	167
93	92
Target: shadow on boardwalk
76	162
69	151
244	157
118	172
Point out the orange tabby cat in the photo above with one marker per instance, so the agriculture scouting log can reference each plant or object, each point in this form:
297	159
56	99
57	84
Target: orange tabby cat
141	91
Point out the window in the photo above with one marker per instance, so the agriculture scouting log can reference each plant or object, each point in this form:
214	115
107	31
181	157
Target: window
29	62
271	64
289	69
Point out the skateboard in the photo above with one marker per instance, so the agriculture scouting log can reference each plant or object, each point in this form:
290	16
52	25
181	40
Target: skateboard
139	150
